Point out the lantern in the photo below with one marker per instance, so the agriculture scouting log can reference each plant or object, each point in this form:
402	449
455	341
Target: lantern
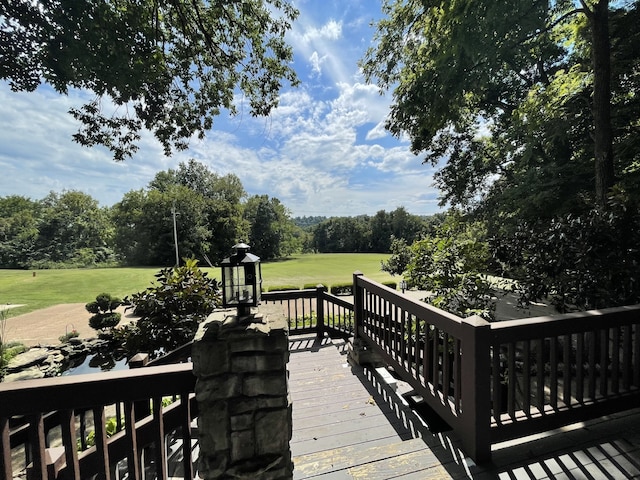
241	280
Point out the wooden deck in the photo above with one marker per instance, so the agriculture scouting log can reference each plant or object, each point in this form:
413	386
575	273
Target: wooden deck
350	424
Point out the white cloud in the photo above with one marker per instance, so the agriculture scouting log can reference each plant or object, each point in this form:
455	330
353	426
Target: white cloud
316	62
331	30
377	132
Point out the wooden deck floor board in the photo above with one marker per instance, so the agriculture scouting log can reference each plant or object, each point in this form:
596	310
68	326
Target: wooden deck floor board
344	429
333	441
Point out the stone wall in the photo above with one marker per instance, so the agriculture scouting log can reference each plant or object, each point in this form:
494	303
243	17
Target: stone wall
244	420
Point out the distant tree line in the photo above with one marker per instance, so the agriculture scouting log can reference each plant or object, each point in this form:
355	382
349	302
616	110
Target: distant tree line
366	233
212	213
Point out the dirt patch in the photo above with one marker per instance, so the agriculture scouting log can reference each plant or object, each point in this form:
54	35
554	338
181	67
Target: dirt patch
44	327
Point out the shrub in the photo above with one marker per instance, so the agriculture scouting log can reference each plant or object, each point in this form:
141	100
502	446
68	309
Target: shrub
282	288
69	335
580	262
171	310
104	318
342	288
391	284
448	264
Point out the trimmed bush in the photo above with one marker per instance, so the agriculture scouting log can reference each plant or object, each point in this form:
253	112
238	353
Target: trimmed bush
391	284
282	288
342	288
103	307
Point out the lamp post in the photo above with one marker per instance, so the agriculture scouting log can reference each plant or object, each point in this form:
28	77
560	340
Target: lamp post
241	280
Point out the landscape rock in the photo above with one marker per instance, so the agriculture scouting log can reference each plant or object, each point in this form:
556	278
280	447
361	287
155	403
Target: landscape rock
30	373
40	362
27	359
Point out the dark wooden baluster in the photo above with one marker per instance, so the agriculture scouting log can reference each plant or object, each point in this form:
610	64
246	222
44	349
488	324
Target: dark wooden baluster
553	368
6	468
627	359
38	446
615	360
592	339
68	424
580	367
133	459
99	421
185	413
513	380
159	439
540	375
526	378
566	371
604	362
497	374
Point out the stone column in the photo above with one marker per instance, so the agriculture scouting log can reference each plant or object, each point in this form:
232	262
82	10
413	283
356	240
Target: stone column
244	419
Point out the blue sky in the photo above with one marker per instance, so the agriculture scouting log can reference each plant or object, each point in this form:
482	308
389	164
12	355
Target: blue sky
323	151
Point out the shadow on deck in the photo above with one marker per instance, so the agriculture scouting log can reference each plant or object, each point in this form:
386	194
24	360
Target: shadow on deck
348	422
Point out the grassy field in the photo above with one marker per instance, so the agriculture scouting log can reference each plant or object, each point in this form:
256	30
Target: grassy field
52	287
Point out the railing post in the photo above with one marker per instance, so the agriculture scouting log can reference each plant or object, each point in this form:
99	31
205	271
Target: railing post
476	388
320	311
245	415
358	305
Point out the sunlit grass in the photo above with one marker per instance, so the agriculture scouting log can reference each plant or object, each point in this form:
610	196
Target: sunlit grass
53	287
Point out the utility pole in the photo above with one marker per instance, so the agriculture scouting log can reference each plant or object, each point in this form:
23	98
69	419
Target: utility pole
175	233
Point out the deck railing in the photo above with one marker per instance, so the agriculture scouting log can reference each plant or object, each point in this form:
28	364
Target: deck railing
314	310
497	381
47	419
490	381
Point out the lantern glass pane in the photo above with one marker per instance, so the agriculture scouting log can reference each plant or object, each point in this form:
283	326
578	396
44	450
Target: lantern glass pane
238	288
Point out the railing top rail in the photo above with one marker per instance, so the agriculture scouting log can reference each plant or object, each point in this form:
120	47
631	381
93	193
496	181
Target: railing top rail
341	302
422	310
531	328
84	391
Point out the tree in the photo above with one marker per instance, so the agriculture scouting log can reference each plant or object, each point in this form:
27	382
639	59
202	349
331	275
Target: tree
451	266
271	231
144	225
516	90
72	228
208	216
169	67
104	319
18	230
576	262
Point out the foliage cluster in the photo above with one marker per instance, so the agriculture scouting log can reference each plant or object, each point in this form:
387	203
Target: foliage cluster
577	262
531	109
451	266
167	67
212	213
104	318
368	234
170	310
60	231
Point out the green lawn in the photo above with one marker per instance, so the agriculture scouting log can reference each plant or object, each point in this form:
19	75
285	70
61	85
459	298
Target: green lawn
52	287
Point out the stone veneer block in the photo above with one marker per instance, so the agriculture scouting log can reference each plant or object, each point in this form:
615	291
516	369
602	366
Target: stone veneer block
245	416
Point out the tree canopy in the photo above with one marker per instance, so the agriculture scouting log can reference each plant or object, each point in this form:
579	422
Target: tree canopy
531	104
169	67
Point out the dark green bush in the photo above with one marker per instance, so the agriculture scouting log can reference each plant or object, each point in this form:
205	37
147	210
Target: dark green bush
282	288
342	288
577	262
104	318
171	310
